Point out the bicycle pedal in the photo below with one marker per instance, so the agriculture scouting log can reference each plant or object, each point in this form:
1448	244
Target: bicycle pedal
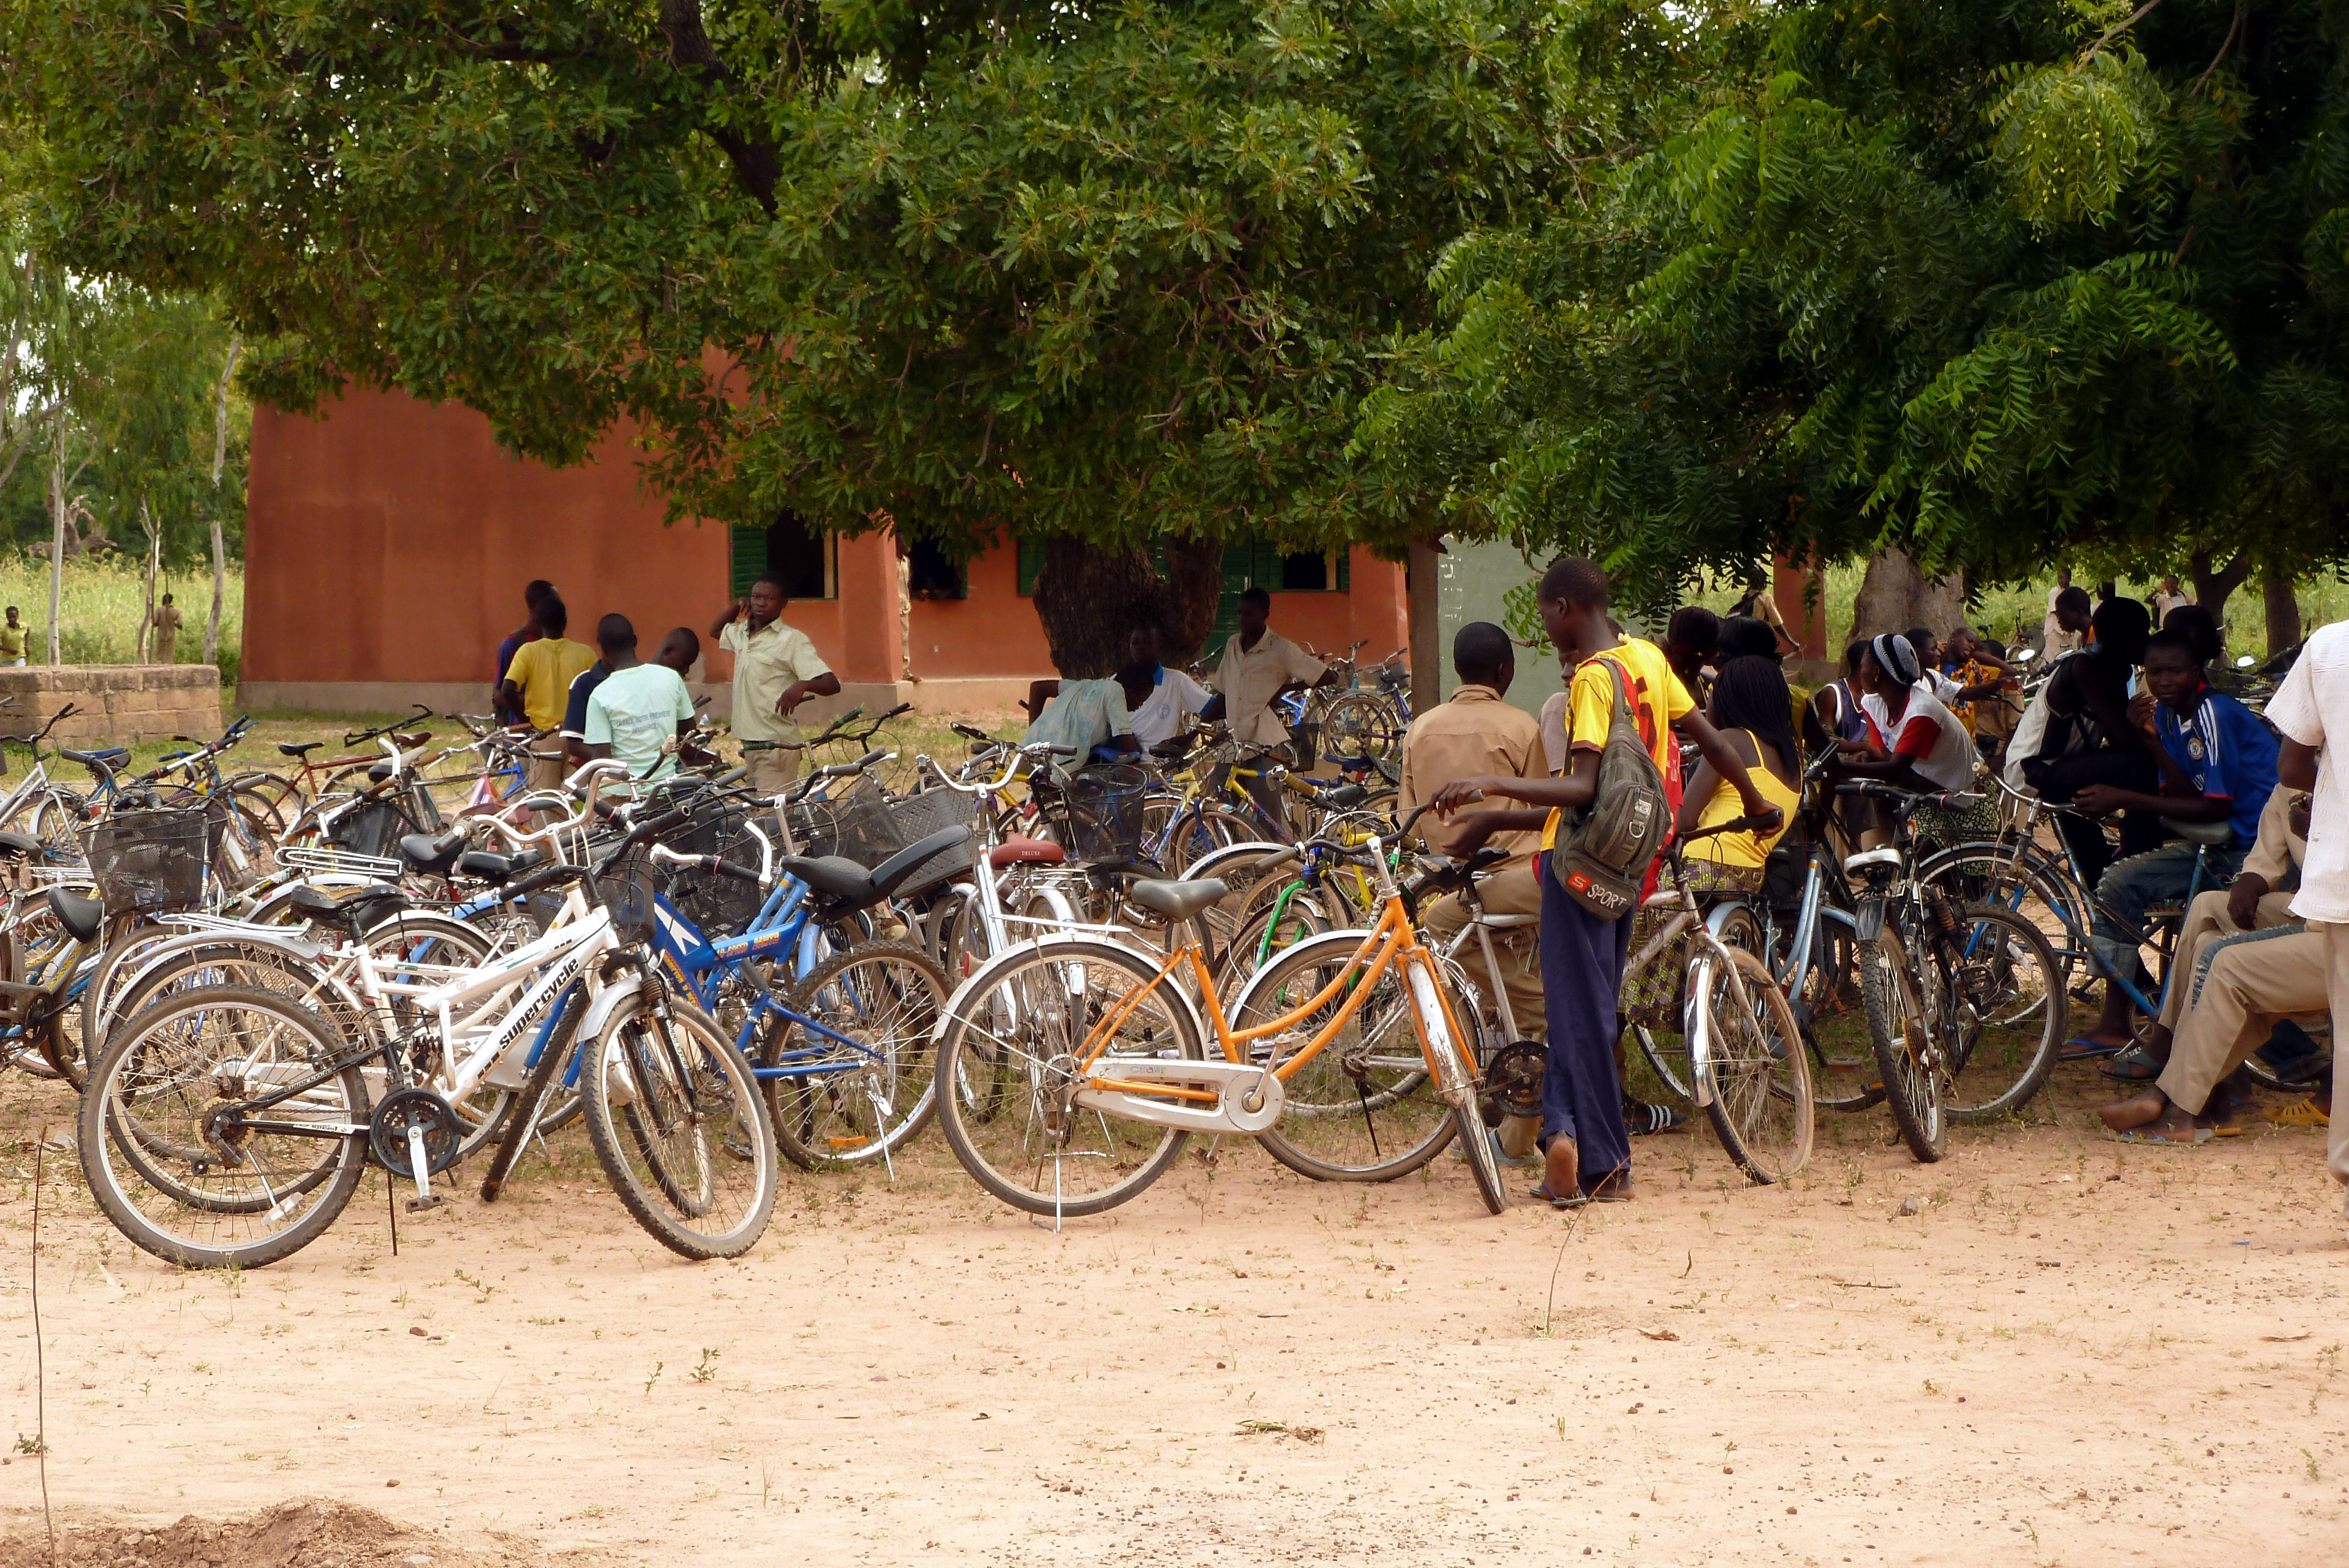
420	1205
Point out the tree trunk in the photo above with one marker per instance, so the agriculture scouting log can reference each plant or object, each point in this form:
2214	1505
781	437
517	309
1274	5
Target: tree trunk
219	451
154	560
1090	599
1895	595
1422	578
2283	610
2213	584
56	529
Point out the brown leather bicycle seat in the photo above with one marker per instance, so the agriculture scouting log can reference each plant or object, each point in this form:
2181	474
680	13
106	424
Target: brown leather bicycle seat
1017	851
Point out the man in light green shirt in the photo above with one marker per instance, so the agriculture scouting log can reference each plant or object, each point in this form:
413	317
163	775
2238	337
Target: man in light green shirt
1089	714
776	669
636	709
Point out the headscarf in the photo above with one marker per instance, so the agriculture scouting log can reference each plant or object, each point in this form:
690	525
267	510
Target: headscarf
1897	658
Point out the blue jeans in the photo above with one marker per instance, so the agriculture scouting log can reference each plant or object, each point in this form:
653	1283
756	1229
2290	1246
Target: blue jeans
2135	883
1582	974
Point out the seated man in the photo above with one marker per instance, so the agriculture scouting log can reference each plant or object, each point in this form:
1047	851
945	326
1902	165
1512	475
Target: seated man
1173	698
1093	717
1692	642
2086	738
2218	764
1476	733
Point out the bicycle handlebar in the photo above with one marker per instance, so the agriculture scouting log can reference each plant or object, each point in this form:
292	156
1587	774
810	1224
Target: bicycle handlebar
360	737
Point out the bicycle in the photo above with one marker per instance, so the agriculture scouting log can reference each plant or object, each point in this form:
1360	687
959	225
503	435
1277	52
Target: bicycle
1080	1057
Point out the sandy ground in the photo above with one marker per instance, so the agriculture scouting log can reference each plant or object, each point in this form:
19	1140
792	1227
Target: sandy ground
2069	1352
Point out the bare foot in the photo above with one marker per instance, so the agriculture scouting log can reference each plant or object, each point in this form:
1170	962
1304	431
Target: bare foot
2136	1111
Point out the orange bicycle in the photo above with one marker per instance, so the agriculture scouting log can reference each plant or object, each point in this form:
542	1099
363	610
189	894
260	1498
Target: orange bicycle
1074	1069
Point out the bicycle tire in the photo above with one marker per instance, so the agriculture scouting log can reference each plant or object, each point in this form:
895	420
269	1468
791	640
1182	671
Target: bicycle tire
1896	1021
1374	1072
1461	1077
868	1108
340	1100
1758	1069
2010	1051
530	1100
2026	880
1024	1003
1844	1073
672	1087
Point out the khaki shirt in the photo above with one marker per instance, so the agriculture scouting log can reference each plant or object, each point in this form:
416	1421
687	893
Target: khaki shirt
1248	678
2276	853
1475	733
766	663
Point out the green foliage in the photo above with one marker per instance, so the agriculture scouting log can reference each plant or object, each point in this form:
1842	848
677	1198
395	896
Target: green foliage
1994	283
1122	270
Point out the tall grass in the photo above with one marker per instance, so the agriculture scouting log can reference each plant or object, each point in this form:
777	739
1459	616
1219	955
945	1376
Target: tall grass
105	596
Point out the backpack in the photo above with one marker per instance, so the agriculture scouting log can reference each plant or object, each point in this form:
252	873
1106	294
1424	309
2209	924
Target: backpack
1601	857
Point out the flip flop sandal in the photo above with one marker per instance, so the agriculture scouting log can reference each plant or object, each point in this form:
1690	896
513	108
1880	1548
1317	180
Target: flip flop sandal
1644	1120
2080	1048
2299	1114
1545	1195
2134	1065
2139	1134
1612	1188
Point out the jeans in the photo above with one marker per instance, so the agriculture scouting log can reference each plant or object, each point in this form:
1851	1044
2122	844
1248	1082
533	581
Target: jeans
2135	883
1582	971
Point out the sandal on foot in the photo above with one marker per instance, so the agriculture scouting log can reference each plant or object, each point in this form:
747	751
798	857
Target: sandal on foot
2299	1114
2080	1048
1545	1195
2148	1135
2133	1065
1644	1120
1613	1187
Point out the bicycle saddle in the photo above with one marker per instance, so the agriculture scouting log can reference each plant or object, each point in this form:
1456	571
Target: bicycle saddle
297	748
1178	900
1344	795
109	756
379	771
2213	834
80	916
23	845
356	909
492	867
842	885
431	856
1017	851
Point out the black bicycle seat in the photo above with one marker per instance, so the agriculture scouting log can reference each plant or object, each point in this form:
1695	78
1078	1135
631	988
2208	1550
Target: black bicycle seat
379	771
842	885
492	867
430	854
1179	900
297	748
21	844
109	756
80	916
356	909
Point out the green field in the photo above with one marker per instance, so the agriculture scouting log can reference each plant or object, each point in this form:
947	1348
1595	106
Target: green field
105	596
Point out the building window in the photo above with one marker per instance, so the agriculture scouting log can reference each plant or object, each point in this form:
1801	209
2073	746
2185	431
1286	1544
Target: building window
806	558
932	574
1032	563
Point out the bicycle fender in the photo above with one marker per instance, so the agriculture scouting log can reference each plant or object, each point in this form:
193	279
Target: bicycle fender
1696	1028
1868	924
606	1004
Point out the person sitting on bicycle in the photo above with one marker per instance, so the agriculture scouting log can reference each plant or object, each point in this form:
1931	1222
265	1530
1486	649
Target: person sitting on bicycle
1094	718
1257	668
1914	739
2218	763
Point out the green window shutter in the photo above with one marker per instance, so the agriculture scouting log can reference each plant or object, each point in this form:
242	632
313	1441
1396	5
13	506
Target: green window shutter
1345	569
747	550
1032	562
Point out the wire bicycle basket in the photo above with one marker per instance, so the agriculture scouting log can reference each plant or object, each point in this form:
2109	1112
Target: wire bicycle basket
152	860
1104	811
932	811
855	824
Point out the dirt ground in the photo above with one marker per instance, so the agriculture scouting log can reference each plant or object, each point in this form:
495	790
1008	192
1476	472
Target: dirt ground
2061	1350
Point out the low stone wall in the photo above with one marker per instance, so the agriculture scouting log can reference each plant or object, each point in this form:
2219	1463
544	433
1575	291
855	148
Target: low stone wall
120	704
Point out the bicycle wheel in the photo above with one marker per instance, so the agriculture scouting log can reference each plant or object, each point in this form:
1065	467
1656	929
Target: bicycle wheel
859	1083
1901	1037
2011	1012
2026	881
1364	1107
676	1122
1268	928
1829	1009
1757	1069
1014	1037
1360	725
176	1166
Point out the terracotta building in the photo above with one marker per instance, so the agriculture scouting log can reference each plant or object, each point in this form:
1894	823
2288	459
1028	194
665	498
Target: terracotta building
387	543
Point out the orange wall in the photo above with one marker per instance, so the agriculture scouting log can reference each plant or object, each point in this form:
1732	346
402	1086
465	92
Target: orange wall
389	540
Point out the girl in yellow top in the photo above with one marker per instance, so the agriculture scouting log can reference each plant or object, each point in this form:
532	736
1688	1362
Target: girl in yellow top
1749	709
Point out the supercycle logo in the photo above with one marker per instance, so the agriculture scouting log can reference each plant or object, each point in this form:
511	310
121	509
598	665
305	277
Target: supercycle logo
564	975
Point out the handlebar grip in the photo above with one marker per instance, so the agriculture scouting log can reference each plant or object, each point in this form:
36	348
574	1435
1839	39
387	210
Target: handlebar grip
725	868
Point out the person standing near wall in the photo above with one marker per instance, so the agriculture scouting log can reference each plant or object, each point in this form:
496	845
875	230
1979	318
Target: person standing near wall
776	669
14	638
167	632
538	684
537	590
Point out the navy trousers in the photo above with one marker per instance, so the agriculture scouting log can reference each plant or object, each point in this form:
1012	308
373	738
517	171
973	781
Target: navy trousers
1582	960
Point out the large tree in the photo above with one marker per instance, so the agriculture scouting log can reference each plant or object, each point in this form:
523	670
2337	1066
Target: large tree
1107	273
1994	284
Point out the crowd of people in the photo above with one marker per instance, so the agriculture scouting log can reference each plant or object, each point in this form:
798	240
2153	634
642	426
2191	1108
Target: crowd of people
2123	728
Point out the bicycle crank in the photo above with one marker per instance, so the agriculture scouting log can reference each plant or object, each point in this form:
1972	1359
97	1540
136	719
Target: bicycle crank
1235	1097
411	1126
1513	1082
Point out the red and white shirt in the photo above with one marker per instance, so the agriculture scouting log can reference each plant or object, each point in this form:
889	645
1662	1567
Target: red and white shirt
1928	735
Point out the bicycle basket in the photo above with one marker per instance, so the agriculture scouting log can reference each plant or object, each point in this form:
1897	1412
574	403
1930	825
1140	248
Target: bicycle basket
373	828
1104	811
856	824
932	811
150	859
720	906
625	888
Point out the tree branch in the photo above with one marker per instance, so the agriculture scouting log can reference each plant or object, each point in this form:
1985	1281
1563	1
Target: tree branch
756	169
2212	68
2117	29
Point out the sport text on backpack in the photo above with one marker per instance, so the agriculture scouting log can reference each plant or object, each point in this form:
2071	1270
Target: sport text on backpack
1603	852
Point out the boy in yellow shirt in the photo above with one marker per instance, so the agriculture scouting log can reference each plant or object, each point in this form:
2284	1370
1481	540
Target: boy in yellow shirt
538	683
1587	1146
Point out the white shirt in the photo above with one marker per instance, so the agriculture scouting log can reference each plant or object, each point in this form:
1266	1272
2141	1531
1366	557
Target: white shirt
2311	707
1160	717
1950	761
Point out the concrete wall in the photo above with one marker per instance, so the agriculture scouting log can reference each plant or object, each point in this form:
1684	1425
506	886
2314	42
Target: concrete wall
119	705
